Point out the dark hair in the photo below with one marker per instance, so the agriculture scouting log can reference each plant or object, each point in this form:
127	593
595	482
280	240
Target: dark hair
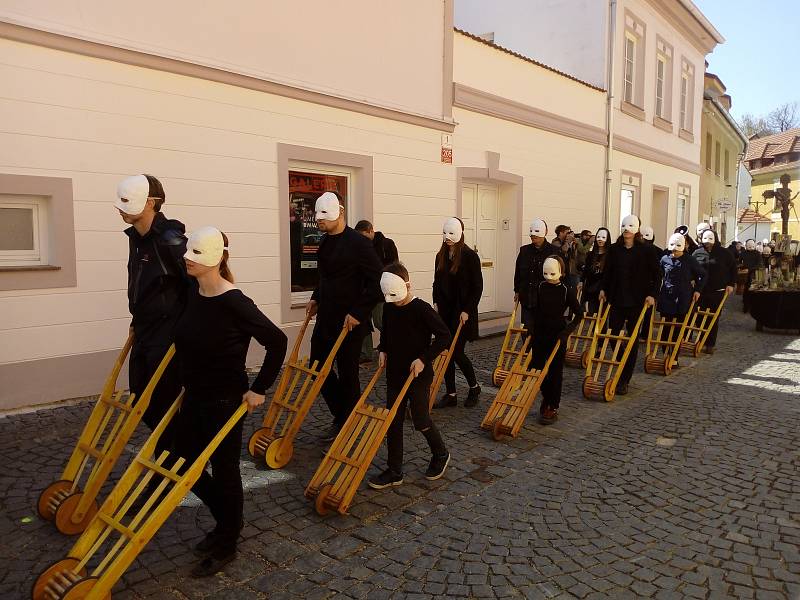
397	268
561	228
363	225
224	269
637	239
444	251
156	192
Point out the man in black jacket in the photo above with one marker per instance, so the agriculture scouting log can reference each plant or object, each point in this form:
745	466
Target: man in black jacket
348	289
630	281
528	270
157	284
720	278
752	261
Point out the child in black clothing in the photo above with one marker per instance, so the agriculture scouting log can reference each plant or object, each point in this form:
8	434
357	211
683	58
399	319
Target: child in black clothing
406	347
550	325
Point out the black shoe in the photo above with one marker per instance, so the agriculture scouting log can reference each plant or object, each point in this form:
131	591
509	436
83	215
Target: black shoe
446	401
331	434
386	479
211	565
548	416
437	467
206	546
622	389
473	396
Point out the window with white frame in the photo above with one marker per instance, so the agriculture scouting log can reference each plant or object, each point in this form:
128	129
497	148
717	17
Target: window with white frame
661	69
709	150
630	184
630	68
633	59
717	157
663	80
727	165
682	202
23	231
687	87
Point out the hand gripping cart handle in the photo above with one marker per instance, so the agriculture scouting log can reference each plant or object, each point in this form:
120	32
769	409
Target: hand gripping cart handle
577	352
698	328
607	355
663	342
511	348
107	431
297	389
513	402
337	478
440	364
118	532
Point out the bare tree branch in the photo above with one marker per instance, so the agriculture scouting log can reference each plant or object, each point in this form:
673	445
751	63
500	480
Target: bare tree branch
784	117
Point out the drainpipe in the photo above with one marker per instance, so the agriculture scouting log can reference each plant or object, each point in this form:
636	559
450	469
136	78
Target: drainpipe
612	25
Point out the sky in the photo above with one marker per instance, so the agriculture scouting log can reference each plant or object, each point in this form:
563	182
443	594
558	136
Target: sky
759	62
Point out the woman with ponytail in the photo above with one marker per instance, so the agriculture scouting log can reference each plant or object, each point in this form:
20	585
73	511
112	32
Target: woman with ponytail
211	338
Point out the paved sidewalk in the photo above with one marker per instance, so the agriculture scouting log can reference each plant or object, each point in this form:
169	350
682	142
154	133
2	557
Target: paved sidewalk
686	488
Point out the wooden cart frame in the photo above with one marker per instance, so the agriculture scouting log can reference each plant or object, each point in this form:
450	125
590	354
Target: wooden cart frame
511	348
577	352
440	365
663	342
698	328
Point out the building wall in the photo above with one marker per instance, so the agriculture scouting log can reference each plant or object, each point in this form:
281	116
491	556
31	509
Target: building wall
769	181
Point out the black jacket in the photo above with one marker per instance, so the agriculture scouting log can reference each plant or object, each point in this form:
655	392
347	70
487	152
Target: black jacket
552	302
720	267
385	248
454	293
157	280
751	259
676	291
643	278
349	281
528	271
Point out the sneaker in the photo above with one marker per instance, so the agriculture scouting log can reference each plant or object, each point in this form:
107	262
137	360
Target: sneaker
386	479
548	416
473	396
331	434
437	466
206	546
446	401
211	565
622	389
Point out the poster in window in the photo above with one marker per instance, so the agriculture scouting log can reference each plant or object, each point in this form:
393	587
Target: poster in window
304	236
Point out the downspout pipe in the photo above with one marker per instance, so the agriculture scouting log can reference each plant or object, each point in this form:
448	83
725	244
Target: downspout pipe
610	71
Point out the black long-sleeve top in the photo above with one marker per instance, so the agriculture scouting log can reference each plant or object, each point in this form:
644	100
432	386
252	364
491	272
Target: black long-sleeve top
751	259
680	273
454	293
528	271
211	341
406	337
631	274
552	300
720	267
349	281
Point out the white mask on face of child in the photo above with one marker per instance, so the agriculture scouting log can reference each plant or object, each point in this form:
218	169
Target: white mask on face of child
676	243
205	246
630	224
647	233
452	230
701	227
601	236
327	207
394	288
551	269
707	237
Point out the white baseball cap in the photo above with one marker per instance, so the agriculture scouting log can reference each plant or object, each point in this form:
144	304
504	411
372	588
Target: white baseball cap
205	246
132	194
538	228
327	207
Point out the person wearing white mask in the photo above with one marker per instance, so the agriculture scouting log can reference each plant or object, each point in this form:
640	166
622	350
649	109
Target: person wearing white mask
409	323
630	280
592	276
648	237
457	289
720	278
553	299
348	289
699	229
752	261
212	338
683	280
528	270
157	284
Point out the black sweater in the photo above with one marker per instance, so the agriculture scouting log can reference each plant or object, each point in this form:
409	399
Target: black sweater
720	267
528	271
406	336
211	339
454	293
552	300
631	274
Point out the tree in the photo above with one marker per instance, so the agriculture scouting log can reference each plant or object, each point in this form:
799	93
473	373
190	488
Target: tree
752	125
784	117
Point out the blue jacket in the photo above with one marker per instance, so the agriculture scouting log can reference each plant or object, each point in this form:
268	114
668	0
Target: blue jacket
676	291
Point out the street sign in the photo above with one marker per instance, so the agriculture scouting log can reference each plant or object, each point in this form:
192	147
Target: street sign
724	204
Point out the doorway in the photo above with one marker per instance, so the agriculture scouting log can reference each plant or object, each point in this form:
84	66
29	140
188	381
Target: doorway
479	213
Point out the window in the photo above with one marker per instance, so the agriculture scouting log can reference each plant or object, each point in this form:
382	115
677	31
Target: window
727	165
687	87
633	62
305	186
682	204
661	68
663	80
629	197
709	146
717	155
23	231
630	68
626	199
684	100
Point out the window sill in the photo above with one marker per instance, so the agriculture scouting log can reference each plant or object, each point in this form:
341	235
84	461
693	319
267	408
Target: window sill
662	124
21	268
686	135
632	110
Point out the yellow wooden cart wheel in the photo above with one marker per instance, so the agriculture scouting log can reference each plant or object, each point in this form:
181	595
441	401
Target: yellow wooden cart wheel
586	387
66	509
65	564
257	445
497	429
585	359
319	503
279	453
81	589
651	365
51	497
496	377
609	390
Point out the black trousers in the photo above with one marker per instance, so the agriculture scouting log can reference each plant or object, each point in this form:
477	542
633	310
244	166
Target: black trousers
711	300
198	421
416	399
143	362
746	292
551	386
625	318
462	360
342	387
644	330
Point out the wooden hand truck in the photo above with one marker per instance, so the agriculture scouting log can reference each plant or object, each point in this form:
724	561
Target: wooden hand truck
297	389
513	402
605	363
663	342
577	352
118	532
511	349
698	328
109	427
337	478
440	364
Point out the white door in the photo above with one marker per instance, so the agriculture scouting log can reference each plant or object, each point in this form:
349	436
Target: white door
479	213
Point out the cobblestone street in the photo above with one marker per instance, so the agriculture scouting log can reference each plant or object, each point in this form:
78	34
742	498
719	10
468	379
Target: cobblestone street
688	487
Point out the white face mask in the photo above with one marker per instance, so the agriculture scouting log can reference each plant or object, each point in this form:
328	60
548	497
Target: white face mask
676	242
701	227
767	250
647	233
452	230
551	269
750	245
707	237
765	242
601	236
327	207
393	287
205	246
538	228
630	224
132	194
